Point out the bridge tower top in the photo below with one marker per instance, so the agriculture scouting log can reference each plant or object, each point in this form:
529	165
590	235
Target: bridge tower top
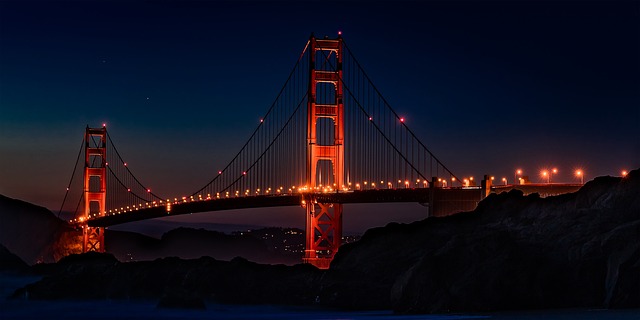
325	67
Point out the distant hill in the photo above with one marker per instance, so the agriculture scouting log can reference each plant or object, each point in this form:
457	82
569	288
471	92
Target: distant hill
28	230
189	243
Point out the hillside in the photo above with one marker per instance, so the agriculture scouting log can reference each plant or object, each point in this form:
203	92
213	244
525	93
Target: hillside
29	231
189	243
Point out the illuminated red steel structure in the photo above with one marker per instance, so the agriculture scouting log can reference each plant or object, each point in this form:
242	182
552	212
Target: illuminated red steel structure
95	192
324	220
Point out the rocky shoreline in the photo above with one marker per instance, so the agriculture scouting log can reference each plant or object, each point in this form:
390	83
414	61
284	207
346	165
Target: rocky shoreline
578	250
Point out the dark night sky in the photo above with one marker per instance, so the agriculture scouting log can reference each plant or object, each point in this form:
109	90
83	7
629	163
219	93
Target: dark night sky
488	86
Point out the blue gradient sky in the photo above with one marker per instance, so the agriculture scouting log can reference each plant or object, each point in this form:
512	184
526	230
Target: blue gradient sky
488	86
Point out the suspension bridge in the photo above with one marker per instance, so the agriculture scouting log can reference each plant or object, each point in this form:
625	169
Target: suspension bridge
329	138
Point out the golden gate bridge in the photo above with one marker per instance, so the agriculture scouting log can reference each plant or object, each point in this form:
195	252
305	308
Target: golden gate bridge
329	138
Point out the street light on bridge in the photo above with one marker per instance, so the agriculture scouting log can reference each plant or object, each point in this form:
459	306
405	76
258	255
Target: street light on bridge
624	173
545	174
580	175
505	181
516	175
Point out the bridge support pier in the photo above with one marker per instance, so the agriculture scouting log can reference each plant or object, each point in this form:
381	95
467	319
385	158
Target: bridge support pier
432	197
93	239
323	232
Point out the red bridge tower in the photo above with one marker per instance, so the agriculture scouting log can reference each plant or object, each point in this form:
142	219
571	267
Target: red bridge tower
324	220
95	187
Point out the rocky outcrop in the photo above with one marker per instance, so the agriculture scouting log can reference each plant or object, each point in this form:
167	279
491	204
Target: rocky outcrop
174	282
512	252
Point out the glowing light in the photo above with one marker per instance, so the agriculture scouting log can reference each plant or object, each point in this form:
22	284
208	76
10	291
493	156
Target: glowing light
580	175
128	190
148	190
624	173
453	178
244	172
125	164
370	118
554	170
104	125
401	119
67	189
220	172
261	120
546	174
493	178
339	33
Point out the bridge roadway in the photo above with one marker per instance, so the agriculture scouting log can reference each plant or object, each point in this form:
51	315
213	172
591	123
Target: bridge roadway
452	199
446	201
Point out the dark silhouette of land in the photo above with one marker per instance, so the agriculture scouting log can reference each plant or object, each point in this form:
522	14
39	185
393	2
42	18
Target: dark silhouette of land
577	250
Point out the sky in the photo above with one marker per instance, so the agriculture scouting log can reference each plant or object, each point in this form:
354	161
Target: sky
489	87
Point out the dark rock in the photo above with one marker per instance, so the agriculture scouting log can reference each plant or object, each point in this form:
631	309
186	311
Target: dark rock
512	252
181	299
10	262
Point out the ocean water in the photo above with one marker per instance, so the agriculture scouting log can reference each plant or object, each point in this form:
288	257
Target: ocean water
118	309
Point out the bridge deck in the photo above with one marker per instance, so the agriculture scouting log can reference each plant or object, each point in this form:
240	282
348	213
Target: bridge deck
421	195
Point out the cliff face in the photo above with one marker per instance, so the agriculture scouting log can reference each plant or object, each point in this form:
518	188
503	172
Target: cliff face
512	252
